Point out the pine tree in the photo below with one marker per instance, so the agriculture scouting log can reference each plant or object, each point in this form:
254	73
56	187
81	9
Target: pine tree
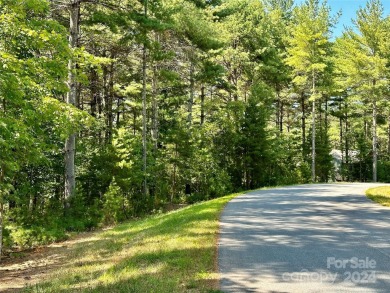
308	43
362	63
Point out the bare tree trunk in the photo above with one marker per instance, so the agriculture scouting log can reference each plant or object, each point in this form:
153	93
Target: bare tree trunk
313	138
346	141
388	134
202	112
374	142
109	97
326	114
281	117
313	144
70	144
277	112
2	175
365	125
1	227
155	105
134	122
288	119
341	132
93	91
105	92
174	175
303	123
144	118
192	90
118	111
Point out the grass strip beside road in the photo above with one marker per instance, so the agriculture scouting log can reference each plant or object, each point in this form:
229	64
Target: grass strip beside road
173	252
380	195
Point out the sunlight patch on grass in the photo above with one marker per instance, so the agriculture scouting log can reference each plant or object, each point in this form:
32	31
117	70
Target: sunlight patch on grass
173	252
380	195
128	272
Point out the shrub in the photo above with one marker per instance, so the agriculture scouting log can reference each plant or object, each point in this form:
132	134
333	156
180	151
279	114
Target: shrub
114	204
25	237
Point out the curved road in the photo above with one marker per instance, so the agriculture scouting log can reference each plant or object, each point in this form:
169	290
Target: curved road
307	238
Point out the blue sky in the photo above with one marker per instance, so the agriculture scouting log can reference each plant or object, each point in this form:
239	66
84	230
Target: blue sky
349	8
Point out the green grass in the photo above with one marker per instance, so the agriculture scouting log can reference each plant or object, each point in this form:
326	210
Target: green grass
174	252
380	195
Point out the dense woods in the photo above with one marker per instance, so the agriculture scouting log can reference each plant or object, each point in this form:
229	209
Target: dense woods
111	110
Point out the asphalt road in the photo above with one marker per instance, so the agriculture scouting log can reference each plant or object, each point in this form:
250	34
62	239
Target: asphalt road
307	238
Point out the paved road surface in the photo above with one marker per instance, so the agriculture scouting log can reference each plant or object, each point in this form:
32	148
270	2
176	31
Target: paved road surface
307	238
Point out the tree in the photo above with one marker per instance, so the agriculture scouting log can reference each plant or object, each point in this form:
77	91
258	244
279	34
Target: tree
33	56
308	44
362	64
70	144
190	99
144	118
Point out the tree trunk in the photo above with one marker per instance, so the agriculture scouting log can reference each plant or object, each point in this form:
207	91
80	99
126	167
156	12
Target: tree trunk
313	138
365	125
134	122
326	114
277	112
2	175
1	228
374	142
281	117
192	90
105	93
174	175
78	102
303	124
346	142
144	130
109	97
155	106
93	91
288	119
313	144
341	146
202	112
70	144
341	132
118	111
388	134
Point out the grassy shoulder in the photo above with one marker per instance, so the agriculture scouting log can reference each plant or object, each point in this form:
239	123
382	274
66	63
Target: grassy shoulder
380	195
174	252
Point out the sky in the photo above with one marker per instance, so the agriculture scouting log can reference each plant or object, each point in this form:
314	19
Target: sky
349	8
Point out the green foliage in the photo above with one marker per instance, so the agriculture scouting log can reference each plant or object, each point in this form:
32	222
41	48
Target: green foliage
114	204
81	215
384	171
27	237
308	41
324	168
245	71
362	73
287	167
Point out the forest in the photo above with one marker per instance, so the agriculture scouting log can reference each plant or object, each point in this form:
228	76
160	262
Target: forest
112	110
